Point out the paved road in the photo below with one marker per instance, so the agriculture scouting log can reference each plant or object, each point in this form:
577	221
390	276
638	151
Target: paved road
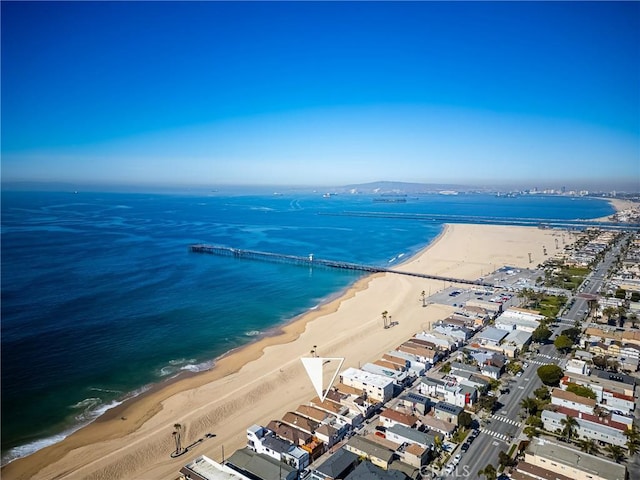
508	420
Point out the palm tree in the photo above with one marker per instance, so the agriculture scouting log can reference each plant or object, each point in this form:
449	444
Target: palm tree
177	437
423	296
608	312
529	404
570	426
437	443
615	452
590	446
633	446
489	472
384	318
633	439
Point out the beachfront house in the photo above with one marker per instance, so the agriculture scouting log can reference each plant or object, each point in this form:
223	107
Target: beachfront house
377	387
262	440
257	465
204	468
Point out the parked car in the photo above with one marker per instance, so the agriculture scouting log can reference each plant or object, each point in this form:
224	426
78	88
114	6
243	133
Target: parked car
465	446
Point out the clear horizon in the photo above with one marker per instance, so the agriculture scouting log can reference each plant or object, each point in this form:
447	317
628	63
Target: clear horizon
311	94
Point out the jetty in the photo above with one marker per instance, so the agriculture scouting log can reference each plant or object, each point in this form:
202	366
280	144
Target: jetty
578	224
311	261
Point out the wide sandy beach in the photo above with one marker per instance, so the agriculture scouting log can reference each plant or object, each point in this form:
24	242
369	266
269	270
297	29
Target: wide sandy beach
264	380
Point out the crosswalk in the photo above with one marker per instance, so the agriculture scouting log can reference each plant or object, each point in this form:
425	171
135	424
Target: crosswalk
550	357
499	436
537	362
506	420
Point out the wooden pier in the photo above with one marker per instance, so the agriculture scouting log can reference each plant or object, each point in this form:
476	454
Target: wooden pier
311	261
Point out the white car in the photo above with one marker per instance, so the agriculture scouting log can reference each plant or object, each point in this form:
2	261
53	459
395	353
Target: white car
457	458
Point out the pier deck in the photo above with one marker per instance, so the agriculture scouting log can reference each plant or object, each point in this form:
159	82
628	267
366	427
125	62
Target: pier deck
311	261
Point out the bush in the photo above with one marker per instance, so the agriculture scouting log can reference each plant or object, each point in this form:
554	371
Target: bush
550	375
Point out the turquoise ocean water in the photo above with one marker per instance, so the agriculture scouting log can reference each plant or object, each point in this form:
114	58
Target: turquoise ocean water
101	298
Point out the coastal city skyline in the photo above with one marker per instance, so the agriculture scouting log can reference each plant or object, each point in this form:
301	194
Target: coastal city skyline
213	93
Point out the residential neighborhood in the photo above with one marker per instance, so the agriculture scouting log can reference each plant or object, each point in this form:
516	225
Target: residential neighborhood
543	371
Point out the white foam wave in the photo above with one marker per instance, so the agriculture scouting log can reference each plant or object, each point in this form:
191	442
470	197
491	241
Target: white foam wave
180	364
32	447
315	307
91	408
105	390
198	367
252	333
181	361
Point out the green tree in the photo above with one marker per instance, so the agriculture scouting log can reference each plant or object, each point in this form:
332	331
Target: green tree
600	361
573	333
465	420
616	452
423	296
514	367
590	446
535	421
489	472
530	431
541	334
446	367
542	394
581	390
633	439
437	443
570	427
487	402
609	312
530	405
563	343
550	375
505	460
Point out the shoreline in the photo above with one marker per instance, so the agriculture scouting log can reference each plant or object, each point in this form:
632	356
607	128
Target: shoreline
281	334
110	447
618	205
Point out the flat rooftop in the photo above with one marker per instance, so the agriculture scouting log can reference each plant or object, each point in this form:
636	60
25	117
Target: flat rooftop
577	459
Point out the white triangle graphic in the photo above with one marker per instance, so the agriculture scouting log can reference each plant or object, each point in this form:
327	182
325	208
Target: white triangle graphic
313	366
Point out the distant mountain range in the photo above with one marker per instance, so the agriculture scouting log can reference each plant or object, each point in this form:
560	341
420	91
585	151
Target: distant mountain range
402	188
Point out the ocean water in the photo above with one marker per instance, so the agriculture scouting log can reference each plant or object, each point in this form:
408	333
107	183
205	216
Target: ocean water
101	297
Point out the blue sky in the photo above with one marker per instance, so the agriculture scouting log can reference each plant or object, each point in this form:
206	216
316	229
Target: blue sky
209	93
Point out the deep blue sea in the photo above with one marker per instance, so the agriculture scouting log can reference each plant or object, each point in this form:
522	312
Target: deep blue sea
101	297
